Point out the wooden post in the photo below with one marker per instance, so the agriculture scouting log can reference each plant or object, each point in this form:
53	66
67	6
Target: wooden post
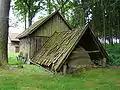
64	69
104	62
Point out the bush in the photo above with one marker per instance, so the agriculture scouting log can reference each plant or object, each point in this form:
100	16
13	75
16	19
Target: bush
114	54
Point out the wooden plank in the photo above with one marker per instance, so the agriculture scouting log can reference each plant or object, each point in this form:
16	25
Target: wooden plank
96	51
79	35
69	46
78	57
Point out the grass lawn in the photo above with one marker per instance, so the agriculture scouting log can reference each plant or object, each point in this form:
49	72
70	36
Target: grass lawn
12	59
35	78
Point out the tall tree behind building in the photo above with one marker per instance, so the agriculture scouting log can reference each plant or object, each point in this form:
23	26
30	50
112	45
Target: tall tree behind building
27	9
78	19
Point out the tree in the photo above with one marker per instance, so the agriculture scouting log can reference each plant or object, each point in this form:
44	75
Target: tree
78	18
4	24
63	5
27	9
50	8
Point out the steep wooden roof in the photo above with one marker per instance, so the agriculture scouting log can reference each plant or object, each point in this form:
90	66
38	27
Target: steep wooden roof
39	23
57	49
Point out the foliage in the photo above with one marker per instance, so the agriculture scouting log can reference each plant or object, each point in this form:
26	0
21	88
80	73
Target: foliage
27	8
63	5
103	15
12	59
114	54
50	7
78	15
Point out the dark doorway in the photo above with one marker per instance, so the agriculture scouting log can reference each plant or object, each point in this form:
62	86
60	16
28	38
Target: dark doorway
17	49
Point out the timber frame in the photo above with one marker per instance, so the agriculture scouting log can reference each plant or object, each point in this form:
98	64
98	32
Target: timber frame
34	37
55	53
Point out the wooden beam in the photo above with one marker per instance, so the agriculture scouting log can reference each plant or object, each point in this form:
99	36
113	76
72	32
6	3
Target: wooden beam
96	51
104	62
93	51
40	66
64	69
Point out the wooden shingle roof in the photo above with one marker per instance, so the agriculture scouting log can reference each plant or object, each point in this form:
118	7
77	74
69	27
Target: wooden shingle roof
39	23
57	49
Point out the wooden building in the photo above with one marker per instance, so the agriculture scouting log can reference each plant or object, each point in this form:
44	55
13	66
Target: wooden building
13	42
36	35
68	51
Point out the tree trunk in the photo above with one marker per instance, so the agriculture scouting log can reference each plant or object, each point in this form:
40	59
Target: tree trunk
25	22
4	24
49	6
29	18
29	13
104	28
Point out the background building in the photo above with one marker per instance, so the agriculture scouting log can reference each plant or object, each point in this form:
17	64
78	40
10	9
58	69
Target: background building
13	42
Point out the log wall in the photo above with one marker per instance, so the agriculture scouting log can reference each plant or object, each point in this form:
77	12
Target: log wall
54	24
24	47
35	44
30	45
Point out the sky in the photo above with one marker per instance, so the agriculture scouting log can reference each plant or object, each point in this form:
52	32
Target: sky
15	29
13	19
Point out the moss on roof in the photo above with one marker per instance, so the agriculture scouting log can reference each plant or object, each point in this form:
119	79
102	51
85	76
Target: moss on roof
57	49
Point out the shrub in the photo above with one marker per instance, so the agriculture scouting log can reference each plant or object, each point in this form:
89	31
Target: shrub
114	54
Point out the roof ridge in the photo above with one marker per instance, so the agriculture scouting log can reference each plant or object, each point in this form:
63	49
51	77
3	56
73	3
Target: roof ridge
38	23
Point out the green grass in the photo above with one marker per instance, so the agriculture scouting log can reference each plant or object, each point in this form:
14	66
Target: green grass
12	59
36	78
